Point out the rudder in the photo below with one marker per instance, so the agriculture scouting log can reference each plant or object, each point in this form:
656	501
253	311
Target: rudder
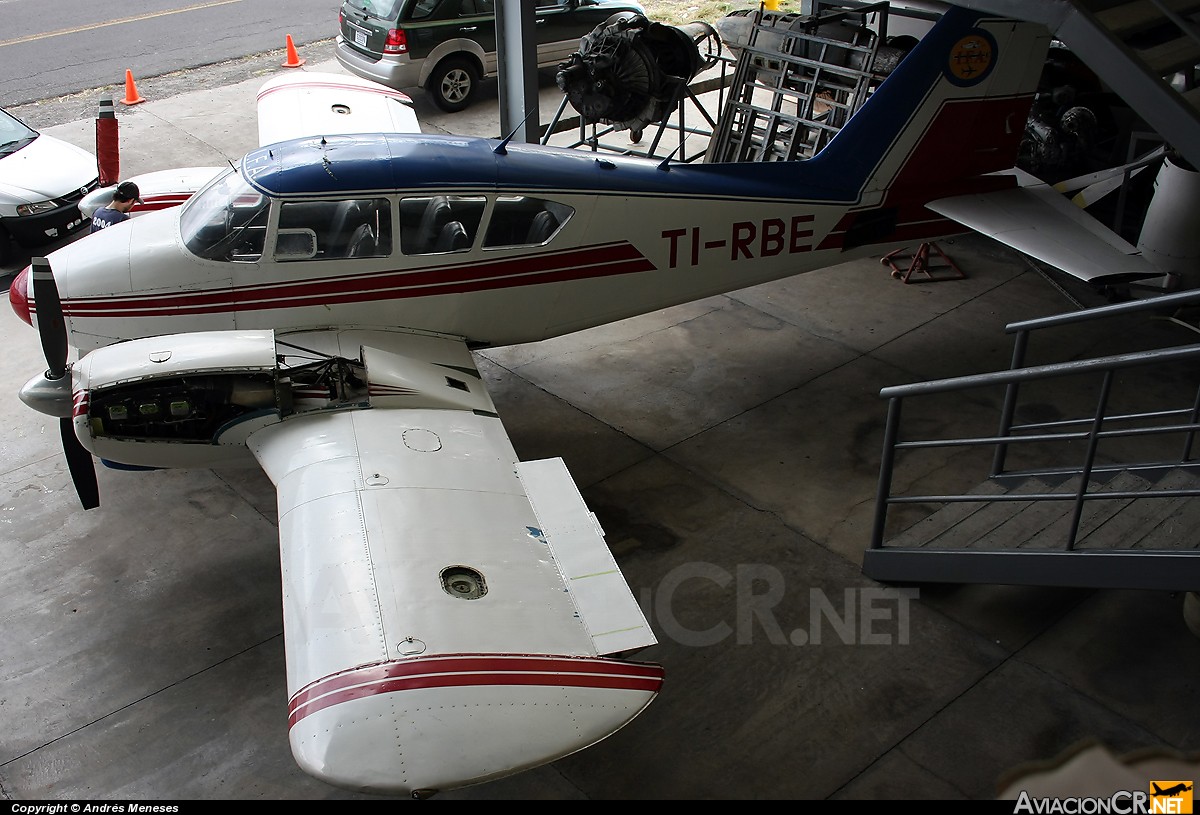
954	109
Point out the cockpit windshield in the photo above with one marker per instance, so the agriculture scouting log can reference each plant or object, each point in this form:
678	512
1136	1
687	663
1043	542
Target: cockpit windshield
226	220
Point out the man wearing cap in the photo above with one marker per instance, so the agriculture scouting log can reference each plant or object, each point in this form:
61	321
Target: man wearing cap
124	197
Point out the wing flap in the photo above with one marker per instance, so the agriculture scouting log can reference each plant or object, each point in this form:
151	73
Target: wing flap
1037	220
607	606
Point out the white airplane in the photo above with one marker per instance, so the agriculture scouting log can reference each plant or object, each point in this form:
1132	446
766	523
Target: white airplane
452	615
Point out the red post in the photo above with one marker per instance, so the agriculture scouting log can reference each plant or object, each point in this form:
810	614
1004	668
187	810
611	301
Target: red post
108	149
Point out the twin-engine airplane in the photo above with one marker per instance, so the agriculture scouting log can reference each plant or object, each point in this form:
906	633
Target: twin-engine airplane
452	615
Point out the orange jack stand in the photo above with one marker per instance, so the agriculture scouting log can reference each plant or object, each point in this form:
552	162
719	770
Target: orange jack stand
920	263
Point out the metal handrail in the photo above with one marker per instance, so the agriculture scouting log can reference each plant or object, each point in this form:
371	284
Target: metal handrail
1096	430
1023	328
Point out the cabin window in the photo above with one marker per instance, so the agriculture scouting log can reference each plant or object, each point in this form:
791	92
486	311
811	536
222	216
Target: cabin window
227	220
434	224
325	230
519	220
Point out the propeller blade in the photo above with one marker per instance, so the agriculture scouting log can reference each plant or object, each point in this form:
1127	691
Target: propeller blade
81	464
51	326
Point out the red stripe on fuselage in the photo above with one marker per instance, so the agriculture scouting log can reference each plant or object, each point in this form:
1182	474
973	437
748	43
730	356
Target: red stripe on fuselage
578	264
337	86
152	203
473	670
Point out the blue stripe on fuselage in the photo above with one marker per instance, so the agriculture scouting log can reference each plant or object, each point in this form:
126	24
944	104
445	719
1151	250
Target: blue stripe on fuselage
384	163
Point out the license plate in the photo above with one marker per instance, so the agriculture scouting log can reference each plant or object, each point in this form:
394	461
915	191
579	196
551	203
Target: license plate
360	37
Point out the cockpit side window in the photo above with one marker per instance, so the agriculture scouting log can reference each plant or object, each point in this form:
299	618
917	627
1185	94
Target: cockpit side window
325	230
439	223
227	220
519	220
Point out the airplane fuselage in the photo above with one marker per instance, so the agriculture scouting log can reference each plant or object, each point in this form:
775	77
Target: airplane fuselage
629	236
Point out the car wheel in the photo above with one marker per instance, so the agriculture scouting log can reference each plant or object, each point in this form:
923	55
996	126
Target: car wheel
453	83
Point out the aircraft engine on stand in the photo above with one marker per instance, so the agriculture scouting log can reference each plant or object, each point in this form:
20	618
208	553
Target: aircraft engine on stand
631	72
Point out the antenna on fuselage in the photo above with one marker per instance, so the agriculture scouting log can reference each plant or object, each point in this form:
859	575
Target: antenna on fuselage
502	147
663	165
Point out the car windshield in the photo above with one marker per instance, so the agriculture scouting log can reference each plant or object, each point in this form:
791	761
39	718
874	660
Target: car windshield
14	134
214	221
383	9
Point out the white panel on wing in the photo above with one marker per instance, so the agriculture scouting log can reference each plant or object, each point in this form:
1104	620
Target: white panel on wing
609	610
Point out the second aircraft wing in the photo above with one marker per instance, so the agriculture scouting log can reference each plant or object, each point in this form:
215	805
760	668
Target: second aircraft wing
1037	220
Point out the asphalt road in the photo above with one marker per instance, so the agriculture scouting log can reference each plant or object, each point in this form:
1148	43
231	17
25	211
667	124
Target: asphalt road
82	47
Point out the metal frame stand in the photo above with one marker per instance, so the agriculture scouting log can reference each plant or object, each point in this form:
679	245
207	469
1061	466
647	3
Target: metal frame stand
919	262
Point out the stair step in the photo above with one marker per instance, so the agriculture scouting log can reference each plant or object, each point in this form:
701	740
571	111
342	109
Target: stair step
1095	514
958	522
1115	524
944	518
1046	524
1172	56
1131	18
1152	523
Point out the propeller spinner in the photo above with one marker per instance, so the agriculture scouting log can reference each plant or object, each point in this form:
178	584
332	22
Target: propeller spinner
53	389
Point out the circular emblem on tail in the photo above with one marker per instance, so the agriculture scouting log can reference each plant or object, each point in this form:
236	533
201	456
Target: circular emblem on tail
971	58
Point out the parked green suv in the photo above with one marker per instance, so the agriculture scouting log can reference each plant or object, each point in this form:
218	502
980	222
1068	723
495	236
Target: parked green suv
449	46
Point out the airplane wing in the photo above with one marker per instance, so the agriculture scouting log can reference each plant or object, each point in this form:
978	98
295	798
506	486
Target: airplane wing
1036	219
301	104
290	106
451	614
448	609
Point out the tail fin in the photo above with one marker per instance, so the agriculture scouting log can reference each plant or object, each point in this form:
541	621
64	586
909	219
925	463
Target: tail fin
953	110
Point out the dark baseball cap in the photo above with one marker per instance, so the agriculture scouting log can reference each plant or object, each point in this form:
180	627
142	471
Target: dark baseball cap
128	191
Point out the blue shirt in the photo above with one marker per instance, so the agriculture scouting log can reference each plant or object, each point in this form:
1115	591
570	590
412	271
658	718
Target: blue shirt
106	217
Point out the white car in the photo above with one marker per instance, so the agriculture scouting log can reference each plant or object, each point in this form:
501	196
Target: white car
42	180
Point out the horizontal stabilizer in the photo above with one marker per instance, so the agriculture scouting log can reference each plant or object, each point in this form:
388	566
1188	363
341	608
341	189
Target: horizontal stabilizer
1092	187
1035	219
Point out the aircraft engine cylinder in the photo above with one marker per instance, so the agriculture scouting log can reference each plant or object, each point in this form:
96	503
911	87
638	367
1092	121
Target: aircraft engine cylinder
630	72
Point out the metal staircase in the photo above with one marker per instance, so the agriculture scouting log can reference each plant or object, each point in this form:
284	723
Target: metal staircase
1103	498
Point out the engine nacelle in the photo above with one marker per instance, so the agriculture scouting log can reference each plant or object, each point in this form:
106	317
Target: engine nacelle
186	400
193	400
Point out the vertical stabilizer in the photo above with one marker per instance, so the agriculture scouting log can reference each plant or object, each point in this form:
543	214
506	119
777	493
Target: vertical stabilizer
953	110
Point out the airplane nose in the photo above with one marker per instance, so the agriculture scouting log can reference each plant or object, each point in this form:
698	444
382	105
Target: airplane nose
18	295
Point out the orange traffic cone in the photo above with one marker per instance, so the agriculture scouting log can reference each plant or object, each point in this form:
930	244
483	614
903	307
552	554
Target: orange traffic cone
293	61
131	92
